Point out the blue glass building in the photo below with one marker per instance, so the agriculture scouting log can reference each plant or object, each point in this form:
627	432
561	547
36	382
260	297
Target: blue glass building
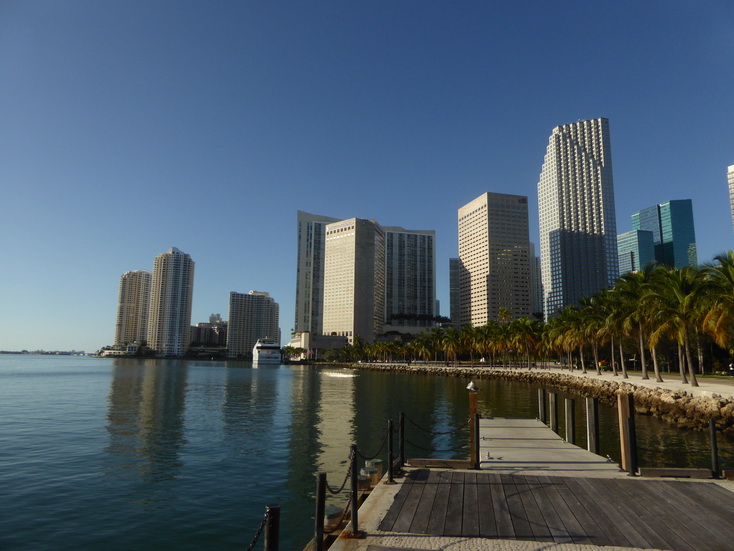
636	250
674	236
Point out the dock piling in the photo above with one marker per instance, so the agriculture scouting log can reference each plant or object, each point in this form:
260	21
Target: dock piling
355	491
542	415
390	456
714	449
569	404
553	411
592	424
272	528
320	510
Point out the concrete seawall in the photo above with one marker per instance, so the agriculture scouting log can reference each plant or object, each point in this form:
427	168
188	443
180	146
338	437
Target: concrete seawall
680	405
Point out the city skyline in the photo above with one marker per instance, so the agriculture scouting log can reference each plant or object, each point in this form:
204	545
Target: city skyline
127	131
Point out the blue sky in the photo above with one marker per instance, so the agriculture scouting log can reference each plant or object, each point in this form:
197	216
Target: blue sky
127	128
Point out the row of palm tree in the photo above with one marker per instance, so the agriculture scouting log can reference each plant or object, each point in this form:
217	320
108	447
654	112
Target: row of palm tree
649	309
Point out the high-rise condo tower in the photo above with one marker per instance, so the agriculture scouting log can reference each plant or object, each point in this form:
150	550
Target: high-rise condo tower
133	303
171	292
578	230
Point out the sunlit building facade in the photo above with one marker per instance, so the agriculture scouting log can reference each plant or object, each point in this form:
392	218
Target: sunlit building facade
731	192
578	230
133	303
494	255
252	316
354	279
171	292
310	271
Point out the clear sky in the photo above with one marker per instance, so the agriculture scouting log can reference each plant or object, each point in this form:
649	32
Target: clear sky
128	128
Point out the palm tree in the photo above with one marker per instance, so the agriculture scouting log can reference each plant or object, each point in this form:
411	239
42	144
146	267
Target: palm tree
631	288
451	343
678	307
592	319
719	288
525	336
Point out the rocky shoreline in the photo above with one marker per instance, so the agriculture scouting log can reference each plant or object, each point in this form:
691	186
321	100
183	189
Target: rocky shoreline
677	407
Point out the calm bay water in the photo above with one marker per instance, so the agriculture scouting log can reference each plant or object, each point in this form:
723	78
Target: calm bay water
161	454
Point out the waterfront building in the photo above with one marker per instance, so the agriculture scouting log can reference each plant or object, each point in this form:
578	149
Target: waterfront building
494	248
410	279
536	285
731	192
635	250
211	334
171	292
354	279
133	303
578	231
252	316
454	271
310	271
674	236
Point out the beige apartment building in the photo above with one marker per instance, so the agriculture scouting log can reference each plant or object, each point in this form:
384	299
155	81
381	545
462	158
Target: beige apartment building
133	302
354	279
494	258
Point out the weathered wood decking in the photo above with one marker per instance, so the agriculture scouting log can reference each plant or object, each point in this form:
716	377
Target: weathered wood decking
534	487
646	514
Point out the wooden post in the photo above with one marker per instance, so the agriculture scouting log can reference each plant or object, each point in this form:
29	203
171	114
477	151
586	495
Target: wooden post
320	510
592	424
472	414
272	528
355	492
390	457
553	411
401	439
475	459
625	410
570	420
541	406
632	435
714	449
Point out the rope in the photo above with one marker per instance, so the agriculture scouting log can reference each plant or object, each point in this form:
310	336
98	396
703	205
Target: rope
259	531
382	446
438	433
346	478
462	447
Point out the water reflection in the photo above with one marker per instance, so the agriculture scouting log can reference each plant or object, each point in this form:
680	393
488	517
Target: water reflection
145	416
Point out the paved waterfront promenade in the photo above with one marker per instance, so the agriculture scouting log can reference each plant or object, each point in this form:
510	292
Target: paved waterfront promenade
535	492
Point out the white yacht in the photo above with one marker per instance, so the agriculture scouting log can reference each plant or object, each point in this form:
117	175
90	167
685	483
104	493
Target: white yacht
266	352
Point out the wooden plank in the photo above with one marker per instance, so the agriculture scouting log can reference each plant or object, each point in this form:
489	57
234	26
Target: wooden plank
514	503
411	501
487	521
718	502
455	511
591	532
590	503
615	511
423	512
657	536
386	524
505	528
534	516
437	519
566	516
681	507
555	525
470	518
439	463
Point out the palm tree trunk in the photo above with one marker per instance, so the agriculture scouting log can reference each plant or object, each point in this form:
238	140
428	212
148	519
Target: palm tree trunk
583	362
621	361
642	356
614	365
655	365
700	352
595	349
691	370
681	365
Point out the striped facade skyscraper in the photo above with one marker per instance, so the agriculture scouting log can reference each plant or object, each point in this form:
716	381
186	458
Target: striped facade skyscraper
252	316
171	292
133	302
730	175
578	229
310	272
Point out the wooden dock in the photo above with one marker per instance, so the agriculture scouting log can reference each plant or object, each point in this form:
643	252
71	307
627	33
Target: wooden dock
537	491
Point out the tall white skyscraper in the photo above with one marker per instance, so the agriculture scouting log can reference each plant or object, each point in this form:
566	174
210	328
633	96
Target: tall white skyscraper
410	277
494	255
252	316
354	279
578	230
171	291
731	192
310	271
133	302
